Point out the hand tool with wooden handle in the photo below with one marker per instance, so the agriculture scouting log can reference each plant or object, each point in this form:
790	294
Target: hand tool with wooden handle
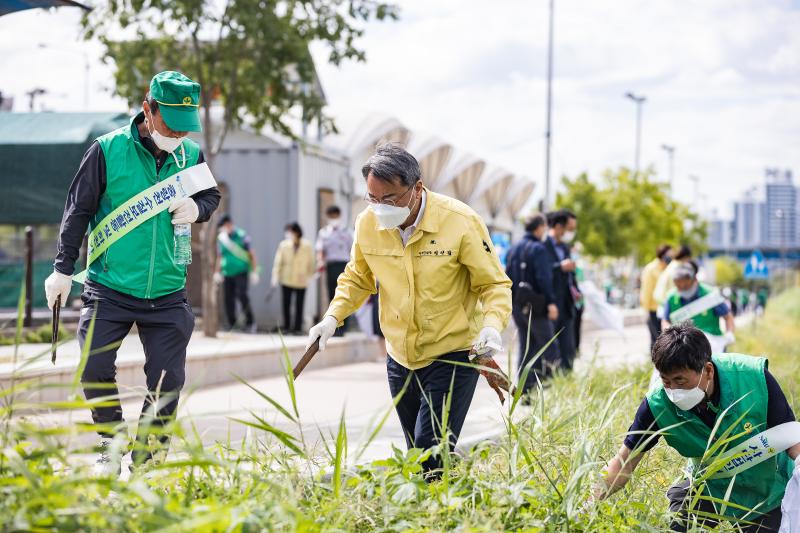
56	320
310	353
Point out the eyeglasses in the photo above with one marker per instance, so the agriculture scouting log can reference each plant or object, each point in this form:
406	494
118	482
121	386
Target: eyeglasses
393	203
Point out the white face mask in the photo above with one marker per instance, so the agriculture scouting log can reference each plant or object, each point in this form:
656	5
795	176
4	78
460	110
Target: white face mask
289	236
685	399
689	293
390	216
568	236
168	144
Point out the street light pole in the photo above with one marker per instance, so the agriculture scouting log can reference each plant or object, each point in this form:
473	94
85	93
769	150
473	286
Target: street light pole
548	131
638	100
696	200
671	156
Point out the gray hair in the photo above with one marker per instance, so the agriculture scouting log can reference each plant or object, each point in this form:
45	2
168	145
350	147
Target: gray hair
389	162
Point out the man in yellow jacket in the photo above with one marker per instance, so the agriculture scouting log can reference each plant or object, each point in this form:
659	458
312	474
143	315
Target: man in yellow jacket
649	279
443	292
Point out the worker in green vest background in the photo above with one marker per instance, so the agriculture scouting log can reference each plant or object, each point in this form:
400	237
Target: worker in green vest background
697	393
129	194
236	270
702	304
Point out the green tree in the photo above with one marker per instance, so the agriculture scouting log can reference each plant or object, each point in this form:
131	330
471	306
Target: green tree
628	214
251	58
728	272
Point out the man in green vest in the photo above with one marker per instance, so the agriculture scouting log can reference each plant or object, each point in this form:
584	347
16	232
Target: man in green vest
136	280
236	270
701	304
697	393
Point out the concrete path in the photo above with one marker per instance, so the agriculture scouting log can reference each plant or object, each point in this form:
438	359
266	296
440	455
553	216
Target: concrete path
360	391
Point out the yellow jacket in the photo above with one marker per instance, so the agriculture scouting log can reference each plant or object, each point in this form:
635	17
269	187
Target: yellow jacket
437	292
650	274
664	284
293	268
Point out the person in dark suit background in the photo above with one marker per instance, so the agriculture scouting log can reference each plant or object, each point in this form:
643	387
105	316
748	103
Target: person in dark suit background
563	225
533	313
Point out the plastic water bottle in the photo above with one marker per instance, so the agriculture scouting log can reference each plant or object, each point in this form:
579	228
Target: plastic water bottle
183	244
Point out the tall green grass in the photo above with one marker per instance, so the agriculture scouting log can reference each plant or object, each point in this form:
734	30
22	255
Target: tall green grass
535	477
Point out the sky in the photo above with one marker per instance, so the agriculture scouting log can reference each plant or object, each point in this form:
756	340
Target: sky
721	78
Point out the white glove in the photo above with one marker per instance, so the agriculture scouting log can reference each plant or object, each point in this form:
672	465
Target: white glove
730	338
254	278
218	278
184	211
324	331
57	284
489	342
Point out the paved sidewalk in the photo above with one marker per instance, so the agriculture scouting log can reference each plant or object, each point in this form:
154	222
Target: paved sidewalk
360	391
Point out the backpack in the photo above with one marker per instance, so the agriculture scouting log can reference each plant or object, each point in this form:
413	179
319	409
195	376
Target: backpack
522	292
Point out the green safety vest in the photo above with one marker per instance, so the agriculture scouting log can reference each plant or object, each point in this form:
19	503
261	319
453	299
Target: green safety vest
706	321
141	263
740	376
233	263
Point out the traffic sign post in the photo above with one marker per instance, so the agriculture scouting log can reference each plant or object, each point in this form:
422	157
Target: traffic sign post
756	267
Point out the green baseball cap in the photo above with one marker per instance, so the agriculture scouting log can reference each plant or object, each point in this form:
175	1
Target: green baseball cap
178	100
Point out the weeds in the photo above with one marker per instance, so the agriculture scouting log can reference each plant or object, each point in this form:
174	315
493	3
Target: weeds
535	478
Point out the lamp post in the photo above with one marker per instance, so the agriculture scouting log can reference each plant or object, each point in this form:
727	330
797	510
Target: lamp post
638	100
696	200
671	157
548	131
45	46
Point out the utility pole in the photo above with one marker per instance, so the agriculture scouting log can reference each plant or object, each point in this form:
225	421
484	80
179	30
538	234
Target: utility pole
548	131
671	156
696	200
638	100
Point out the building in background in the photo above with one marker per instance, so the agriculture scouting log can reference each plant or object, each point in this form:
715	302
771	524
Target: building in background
781	205
766	218
498	195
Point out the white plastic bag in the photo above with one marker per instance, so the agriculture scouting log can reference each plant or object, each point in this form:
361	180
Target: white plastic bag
790	506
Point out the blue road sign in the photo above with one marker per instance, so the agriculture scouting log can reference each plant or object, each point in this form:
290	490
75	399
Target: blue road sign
756	267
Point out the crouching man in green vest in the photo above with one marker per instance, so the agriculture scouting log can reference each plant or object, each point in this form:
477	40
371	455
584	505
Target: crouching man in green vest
697	392
123	190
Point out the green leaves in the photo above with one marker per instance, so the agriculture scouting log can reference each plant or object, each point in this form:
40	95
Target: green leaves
250	56
629	214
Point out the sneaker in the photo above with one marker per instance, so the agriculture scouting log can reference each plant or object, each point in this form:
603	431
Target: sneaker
109	458
252	328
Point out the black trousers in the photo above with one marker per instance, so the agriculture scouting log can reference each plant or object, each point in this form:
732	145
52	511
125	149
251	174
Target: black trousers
421	408
654	325
565	339
333	269
534	334
578	326
678	501
299	296
165	326
235	288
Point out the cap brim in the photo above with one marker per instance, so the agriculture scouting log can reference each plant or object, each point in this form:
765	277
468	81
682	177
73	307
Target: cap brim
181	118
